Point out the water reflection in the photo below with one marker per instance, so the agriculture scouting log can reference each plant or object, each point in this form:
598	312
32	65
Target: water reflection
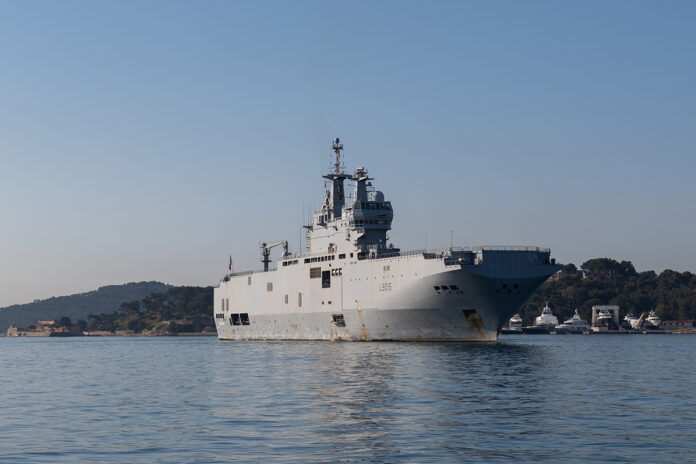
357	399
526	399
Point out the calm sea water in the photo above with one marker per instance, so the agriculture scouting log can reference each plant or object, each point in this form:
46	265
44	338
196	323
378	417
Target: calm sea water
197	400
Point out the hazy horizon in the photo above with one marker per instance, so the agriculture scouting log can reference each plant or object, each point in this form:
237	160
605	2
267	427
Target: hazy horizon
149	141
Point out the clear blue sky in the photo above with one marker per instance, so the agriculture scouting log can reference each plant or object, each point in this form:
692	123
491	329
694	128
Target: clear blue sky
149	140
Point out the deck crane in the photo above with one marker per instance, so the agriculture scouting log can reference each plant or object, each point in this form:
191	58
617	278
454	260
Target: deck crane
266	252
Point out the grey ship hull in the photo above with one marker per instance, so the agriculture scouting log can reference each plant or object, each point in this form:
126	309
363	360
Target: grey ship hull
486	295
353	285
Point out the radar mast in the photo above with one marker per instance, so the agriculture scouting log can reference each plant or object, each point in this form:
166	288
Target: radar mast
337	146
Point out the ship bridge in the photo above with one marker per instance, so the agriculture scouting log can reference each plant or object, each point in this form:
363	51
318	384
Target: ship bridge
359	225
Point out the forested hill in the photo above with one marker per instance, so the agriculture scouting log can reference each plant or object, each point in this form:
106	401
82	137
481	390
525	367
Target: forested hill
604	281
104	300
178	310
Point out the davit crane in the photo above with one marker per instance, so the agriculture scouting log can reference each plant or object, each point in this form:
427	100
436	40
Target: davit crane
266	252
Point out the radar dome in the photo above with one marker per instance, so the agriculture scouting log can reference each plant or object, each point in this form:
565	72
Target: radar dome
379	197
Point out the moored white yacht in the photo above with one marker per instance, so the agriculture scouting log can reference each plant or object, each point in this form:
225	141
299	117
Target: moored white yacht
604	319
653	321
573	325
543	323
514	325
632	322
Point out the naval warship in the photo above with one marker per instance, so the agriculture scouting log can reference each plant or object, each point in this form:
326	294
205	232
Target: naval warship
352	284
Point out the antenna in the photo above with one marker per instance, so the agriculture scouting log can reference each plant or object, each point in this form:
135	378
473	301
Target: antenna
337	146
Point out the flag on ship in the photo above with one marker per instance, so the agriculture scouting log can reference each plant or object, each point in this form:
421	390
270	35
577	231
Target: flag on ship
230	266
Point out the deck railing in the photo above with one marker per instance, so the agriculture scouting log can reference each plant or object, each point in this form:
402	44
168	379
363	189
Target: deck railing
450	255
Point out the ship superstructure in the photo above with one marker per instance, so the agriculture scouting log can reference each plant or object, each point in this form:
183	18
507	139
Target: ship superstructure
352	284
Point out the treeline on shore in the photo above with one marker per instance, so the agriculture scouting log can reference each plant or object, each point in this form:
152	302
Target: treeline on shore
604	281
599	281
106	299
178	310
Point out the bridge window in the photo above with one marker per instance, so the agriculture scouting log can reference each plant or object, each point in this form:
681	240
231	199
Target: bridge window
234	319
244	317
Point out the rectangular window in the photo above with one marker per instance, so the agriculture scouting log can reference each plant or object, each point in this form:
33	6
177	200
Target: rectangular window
306	260
342	256
269	287
454	287
299	300
286	299
244	317
351	255
234	319
219	316
436	287
314	272
326	279
223	305
249	280
227	303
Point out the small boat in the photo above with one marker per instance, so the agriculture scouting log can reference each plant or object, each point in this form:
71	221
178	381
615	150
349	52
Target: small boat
605	319
546	318
653	321
573	325
543	323
631	322
514	325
